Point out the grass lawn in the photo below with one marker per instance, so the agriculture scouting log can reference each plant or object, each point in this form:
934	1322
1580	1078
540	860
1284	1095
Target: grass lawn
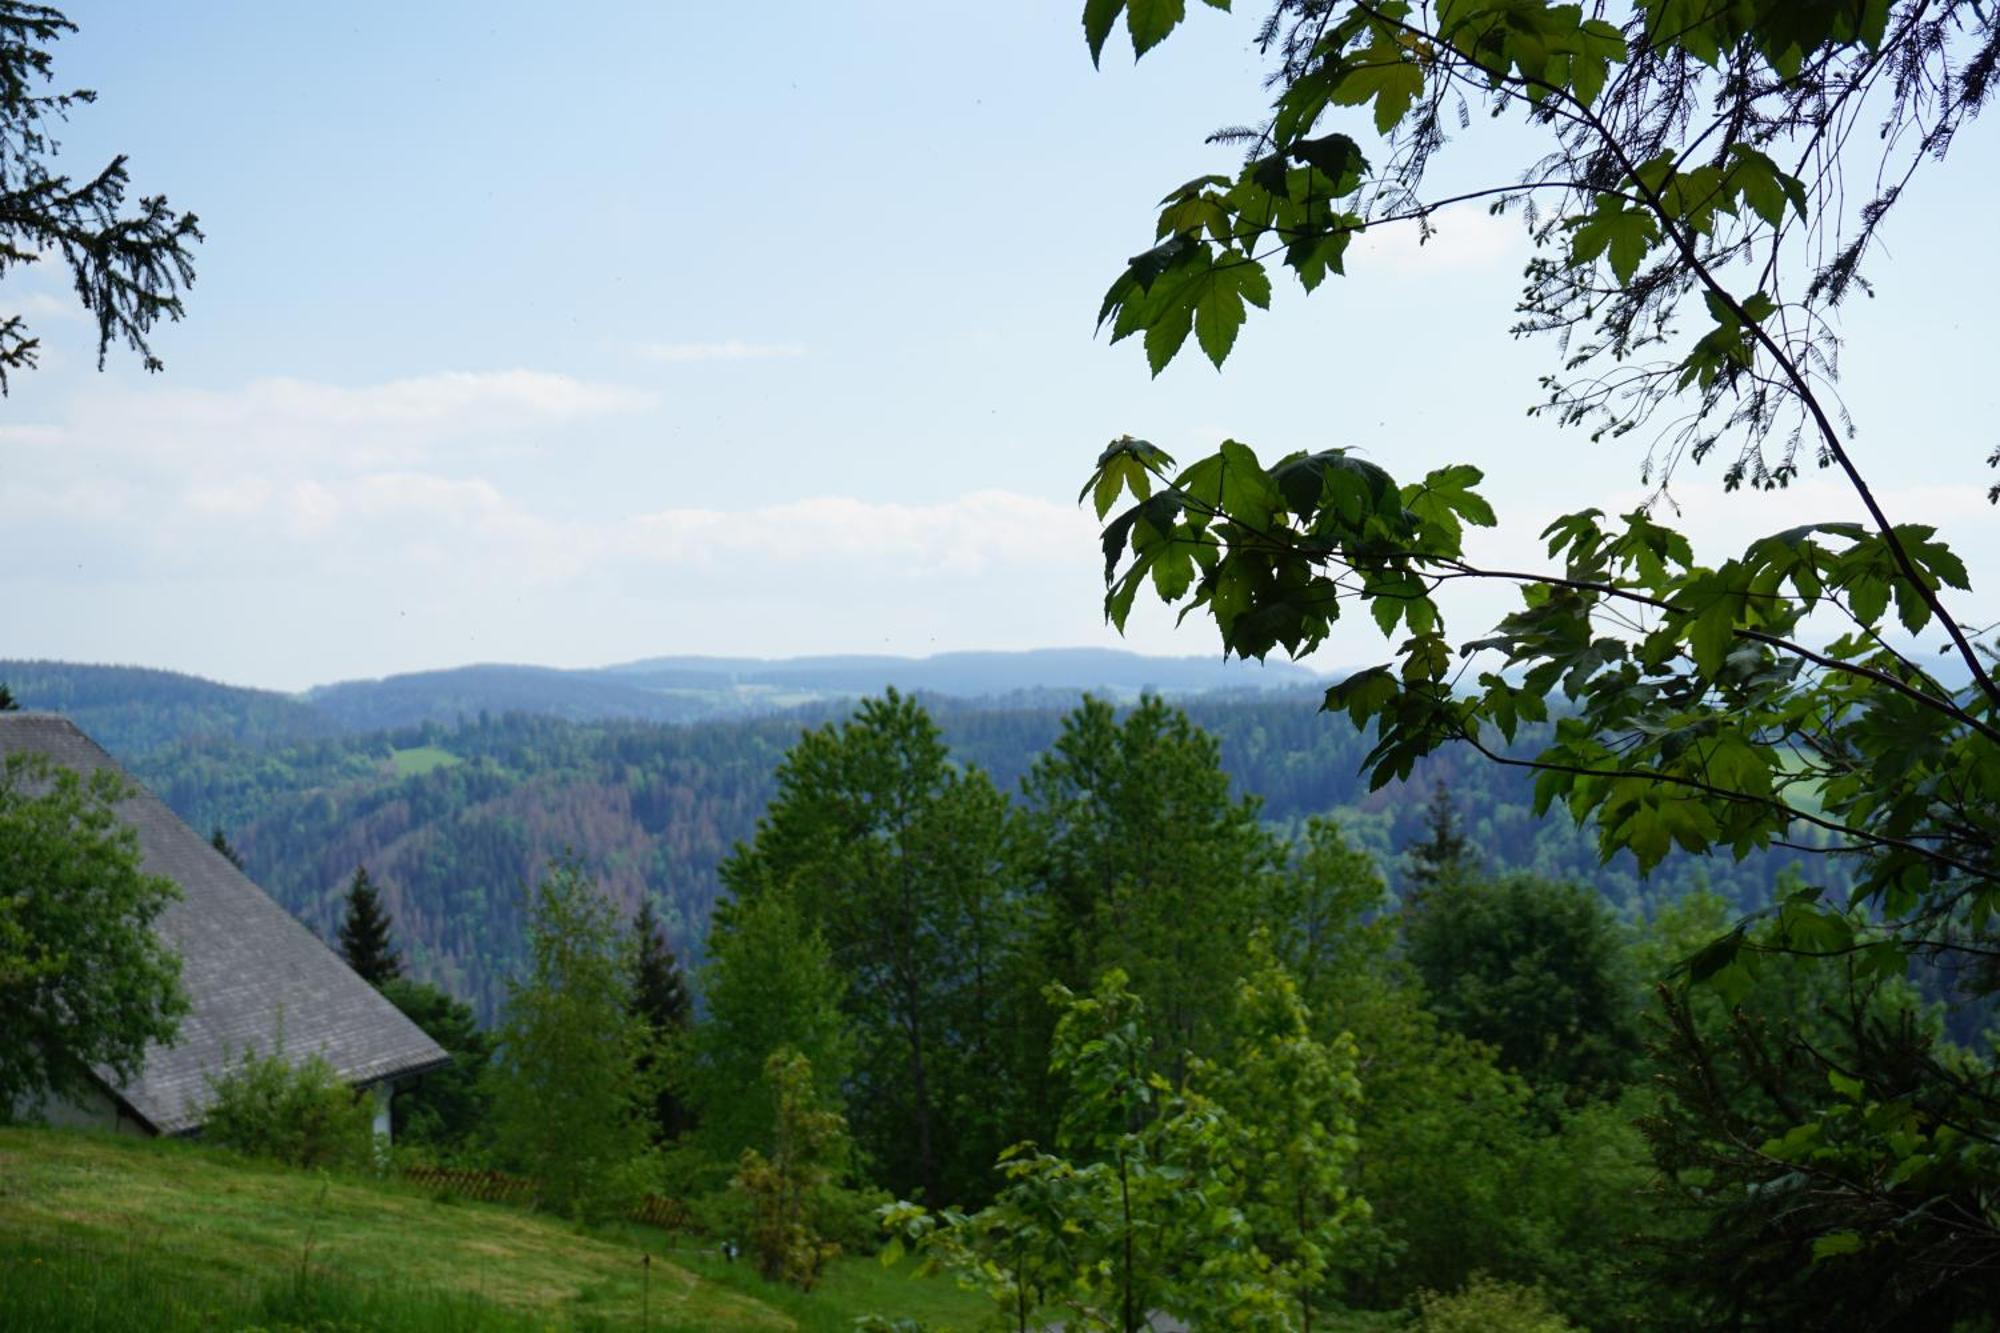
99	1232
421	759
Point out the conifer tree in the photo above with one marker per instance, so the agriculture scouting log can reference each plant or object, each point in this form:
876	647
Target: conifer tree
364	933
220	841
1443	853
661	1007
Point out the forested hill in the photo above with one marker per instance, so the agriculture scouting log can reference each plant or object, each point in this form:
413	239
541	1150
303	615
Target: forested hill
135	709
453	820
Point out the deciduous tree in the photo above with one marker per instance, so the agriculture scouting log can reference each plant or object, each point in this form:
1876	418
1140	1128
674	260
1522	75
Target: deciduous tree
1700	208
85	981
901	860
769	985
447	1107
1134	834
565	1095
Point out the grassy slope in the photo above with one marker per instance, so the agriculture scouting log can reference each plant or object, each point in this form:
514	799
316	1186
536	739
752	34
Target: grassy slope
86	1204
421	759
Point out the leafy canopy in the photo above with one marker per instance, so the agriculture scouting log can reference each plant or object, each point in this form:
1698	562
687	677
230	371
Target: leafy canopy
84	979
1700	208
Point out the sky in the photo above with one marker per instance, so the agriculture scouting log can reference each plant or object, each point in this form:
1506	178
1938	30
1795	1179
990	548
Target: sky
530	335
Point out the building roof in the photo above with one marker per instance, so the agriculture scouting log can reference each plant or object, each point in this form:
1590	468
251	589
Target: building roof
250	970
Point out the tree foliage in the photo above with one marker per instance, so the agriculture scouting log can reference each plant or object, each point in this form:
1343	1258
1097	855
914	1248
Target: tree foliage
220	841
85	982
664	1012
299	1112
1698	213
1224	1200
901	861
128	264
1134	832
364	932
566	1089
1537	971
787	1190
445	1109
770	985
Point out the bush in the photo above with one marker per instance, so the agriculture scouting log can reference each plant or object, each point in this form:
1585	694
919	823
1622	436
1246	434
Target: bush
300	1113
1486	1306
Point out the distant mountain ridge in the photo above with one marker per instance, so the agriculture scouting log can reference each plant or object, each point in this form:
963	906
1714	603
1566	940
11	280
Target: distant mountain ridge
454	817
138	709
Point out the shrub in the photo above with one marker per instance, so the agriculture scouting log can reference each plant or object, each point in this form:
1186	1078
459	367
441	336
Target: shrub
299	1113
1486	1306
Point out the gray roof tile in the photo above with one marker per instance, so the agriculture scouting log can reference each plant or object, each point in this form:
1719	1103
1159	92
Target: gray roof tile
249	968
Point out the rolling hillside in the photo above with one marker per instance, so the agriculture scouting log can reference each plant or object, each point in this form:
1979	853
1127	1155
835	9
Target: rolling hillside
103	1233
455	820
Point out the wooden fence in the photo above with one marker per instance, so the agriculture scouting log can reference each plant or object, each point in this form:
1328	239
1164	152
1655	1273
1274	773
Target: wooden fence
499	1187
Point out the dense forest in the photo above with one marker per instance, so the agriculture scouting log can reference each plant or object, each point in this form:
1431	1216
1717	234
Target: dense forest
454	821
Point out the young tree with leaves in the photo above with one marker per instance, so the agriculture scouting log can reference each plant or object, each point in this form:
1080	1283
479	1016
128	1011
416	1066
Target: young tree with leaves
769	985
1162	1199
364	932
128	265
664	1012
1700	210
85	981
1289	1099
566	1089
809	1153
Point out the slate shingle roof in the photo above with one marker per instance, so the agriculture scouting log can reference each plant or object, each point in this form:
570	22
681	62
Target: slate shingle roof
244	961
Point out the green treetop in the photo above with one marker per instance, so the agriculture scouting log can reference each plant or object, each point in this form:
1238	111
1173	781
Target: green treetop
364	932
84	979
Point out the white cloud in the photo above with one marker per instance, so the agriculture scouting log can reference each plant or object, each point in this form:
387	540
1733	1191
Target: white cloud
284	424
731	349
453	400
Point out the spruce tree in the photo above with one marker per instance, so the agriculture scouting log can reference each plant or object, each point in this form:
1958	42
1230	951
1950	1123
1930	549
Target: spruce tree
220	841
660	1005
1443	854
364	933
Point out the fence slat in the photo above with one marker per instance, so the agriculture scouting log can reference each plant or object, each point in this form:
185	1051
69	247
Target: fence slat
498	1187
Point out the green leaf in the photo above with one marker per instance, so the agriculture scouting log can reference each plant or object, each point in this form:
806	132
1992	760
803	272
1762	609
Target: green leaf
1363	694
1166	334
1151	20
1098	18
1384	74
1834	1244
1219	312
1626	233
1313	257
1336	155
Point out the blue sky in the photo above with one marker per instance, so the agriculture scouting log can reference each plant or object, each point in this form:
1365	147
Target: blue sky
706	328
